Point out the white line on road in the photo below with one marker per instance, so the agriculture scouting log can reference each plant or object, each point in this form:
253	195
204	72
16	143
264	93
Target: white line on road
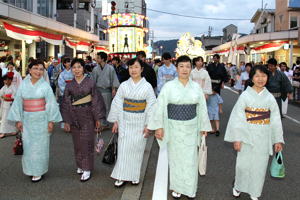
290	118
160	191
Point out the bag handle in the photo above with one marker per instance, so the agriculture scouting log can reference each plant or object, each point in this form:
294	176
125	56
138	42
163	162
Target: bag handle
279	157
203	142
110	141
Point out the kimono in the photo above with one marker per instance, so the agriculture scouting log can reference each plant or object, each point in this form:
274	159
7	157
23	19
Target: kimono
131	123
17	79
279	85
35	134
240	85
257	136
106	80
182	113
202	78
165	74
82	118
64	77
7	126
217	74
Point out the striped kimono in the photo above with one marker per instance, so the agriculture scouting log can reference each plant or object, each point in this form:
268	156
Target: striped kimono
131	109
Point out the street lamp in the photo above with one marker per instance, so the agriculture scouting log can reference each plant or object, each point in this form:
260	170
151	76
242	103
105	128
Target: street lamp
161	47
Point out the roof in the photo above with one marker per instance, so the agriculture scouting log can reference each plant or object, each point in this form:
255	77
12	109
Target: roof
258	13
230	25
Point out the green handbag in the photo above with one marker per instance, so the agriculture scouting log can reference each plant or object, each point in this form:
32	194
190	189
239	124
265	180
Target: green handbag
277	167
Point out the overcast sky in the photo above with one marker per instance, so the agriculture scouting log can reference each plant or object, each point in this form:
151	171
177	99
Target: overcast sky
172	27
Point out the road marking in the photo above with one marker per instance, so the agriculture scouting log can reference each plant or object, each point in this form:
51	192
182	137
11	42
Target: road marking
160	191
290	118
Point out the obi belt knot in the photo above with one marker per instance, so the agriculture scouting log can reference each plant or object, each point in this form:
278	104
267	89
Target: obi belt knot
34	105
134	106
258	116
8	96
182	112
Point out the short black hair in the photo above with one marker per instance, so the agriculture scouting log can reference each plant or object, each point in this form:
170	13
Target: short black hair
88	68
197	59
108	61
102	55
217	56
11	63
272	61
261	68
5	77
116	59
248	64
89	58
298	62
297	68
166	56
66	59
282	63
133	60
142	53
183	59
157	61
36	62
9	57
30	59
77	60
215	88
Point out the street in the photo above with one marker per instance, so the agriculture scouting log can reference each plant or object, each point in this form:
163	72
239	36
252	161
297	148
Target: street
62	182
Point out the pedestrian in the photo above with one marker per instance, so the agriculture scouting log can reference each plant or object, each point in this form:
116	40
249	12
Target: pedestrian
214	107
278	84
284	69
16	81
7	93
217	73
35	109
297	64
201	76
82	108
166	73
59	68
254	127
65	76
296	77
54	62
180	119
242	67
157	66
120	70
107	82
130	112
2	63
240	85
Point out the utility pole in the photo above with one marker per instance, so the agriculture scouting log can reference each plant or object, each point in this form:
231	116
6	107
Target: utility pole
209	31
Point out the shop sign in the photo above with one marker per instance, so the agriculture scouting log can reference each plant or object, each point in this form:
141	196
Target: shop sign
3	45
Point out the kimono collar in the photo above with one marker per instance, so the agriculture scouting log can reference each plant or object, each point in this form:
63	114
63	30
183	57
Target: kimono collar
199	70
135	84
253	92
179	83
38	82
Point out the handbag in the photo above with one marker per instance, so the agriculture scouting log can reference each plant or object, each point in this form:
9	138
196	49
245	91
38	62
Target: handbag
110	154
202	157
18	145
277	168
99	142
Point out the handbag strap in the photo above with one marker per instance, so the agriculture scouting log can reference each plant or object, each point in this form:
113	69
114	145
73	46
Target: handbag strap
110	141
203	142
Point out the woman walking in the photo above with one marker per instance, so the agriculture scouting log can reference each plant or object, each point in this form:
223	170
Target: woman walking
130	112
82	107
35	109
180	118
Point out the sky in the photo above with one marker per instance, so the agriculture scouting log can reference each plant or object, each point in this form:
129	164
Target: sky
168	27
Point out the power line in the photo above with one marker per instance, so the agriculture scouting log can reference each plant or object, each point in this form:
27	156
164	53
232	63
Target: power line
196	17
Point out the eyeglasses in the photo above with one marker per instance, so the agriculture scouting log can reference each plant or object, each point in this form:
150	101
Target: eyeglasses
77	67
37	69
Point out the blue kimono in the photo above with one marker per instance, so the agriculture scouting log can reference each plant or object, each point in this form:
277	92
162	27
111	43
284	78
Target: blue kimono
35	134
165	74
64	77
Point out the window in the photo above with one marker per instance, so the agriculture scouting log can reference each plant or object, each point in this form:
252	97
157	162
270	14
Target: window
293	20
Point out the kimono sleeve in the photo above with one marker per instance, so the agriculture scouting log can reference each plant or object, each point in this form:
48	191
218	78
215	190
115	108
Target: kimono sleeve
114	79
52	109
275	123
2	91
207	86
116	105
203	120
237	125
14	91
160	82
16	111
61	83
98	105
151	99
238	85
19	79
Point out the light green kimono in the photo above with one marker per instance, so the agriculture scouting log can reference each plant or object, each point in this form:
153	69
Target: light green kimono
257	140
181	137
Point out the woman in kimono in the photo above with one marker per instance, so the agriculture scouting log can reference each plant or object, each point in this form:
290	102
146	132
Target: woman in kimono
130	112
254	127
65	76
82	107
180	118
7	93
201	76
17	77
284	69
240	85
35	109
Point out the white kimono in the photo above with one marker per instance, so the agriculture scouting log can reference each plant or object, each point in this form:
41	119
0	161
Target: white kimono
257	137
286	102
240	85
7	126
203	79
17	79
131	141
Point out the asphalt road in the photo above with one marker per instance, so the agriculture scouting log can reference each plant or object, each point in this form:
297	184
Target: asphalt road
61	181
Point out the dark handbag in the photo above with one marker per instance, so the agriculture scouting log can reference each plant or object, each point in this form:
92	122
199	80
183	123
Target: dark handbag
110	154
18	145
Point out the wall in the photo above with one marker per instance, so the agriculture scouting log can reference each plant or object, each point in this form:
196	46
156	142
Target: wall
281	9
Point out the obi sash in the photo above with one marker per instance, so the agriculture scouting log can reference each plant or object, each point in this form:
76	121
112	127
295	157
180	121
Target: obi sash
134	106
201	82
182	112
81	100
243	82
258	116
67	81
34	105
8	96
167	78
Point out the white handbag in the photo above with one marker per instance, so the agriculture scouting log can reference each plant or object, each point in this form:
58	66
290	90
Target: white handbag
202	157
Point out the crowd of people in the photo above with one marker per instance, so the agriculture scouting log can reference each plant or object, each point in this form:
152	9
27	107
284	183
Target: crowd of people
178	99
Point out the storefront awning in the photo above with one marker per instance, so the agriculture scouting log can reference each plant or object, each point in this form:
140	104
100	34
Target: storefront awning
83	46
102	49
23	34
